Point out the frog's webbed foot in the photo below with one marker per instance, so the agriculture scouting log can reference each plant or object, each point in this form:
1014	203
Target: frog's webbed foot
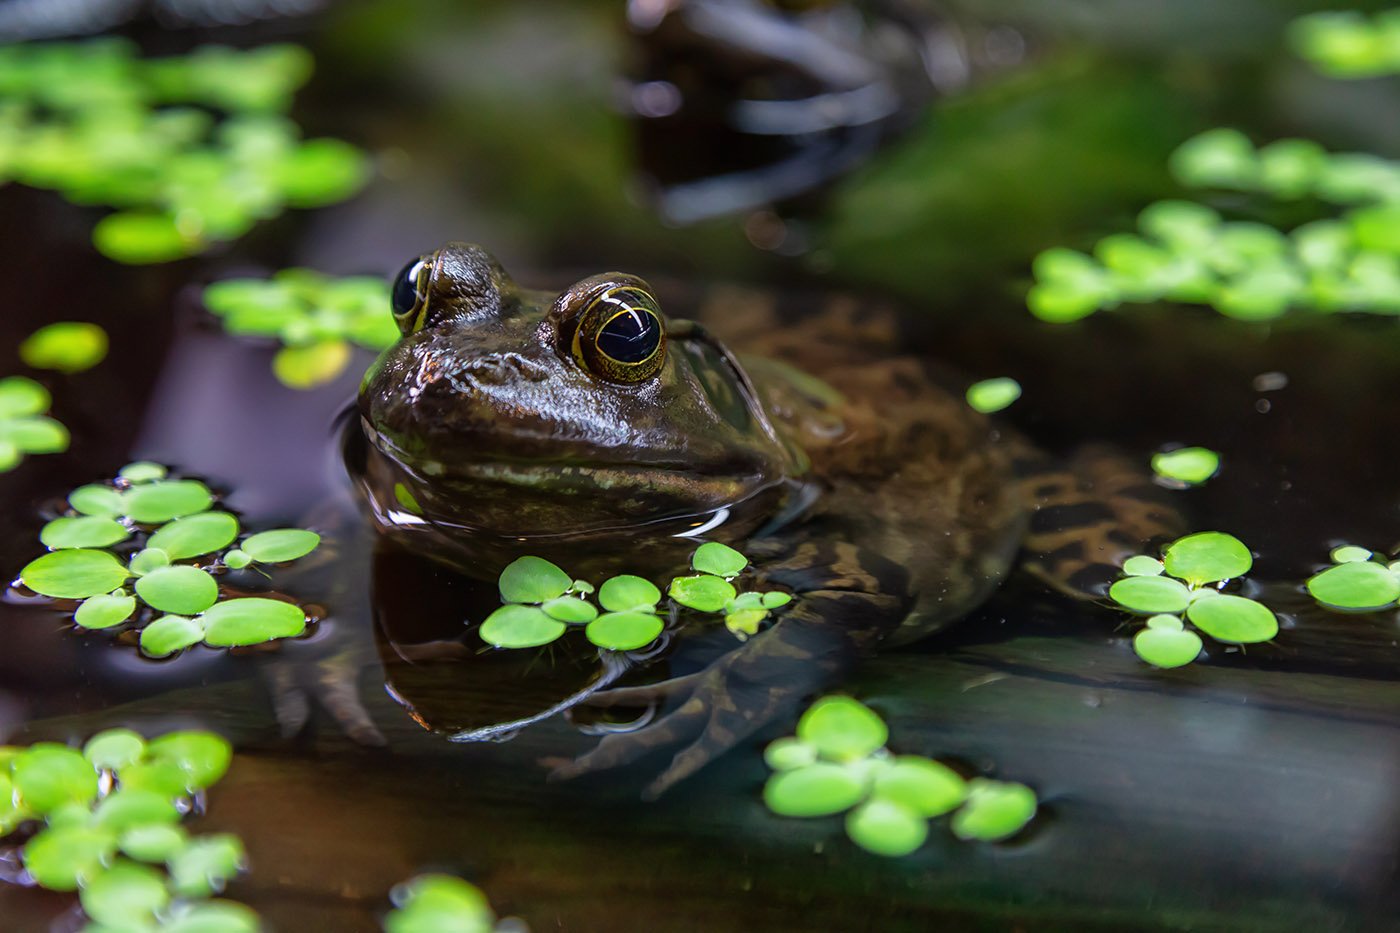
332	683
759	682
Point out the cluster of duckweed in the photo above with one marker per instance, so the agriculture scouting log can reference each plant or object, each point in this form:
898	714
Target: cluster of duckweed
25	427
66	346
443	904
166	535
315	317
992	395
1186	466
191	150
1185	586
838	762
1349	44
1187	252
542	601
1359	580
105	822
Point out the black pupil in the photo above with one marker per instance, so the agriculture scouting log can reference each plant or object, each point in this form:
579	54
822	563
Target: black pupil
405	294
631	336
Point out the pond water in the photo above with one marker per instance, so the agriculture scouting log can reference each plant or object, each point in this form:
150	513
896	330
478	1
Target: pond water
1255	789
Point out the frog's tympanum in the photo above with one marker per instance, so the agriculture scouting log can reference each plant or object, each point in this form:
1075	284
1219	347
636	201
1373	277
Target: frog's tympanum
590	428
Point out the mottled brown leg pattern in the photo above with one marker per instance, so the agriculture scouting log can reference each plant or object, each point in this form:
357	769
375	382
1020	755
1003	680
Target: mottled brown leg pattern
1090	514
840	611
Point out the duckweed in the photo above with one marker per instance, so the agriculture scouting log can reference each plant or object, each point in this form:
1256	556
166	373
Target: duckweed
176	604
837	763
1358	581
191	150
992	395
439	904
317	319
25	427
1196	561
1189	466
1349	44
66	346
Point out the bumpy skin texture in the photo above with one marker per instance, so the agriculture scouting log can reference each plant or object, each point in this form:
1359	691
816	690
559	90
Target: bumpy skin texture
884	503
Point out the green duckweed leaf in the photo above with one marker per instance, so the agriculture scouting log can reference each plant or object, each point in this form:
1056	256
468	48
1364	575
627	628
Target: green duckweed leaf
1150	595
160	501
789	752
582	587
35	435
305	367
820	789
212	916
21	397
321	171
1289	168
1061	303
745	622
139	238
1220	158
66	346
104	611
147	560
745	601
1233	619
88	531
992	395
1207	557
63	857
12	813
704	592
1171	623
163	776
74	574
532	580
624	631
1190	465
114	749
842	729
97	500
203	756
776	600
1165	648
179	589
126	893
205	865
142	471
570	609
719	559
251	621
926	787
886	827
195	535
126	808
48	775
994	810
170	634
237	559
627	592
1350	553
1141	565
280	545
517	626
153	843
1358	585
1185	226
439	904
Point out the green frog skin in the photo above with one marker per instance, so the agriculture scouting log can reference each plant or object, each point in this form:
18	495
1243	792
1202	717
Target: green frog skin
589	428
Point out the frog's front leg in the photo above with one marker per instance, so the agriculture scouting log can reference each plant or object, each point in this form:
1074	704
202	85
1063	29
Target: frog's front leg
846	601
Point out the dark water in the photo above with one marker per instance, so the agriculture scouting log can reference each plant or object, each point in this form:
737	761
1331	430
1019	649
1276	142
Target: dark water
1251	791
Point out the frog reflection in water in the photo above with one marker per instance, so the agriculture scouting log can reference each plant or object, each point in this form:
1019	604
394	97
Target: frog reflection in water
588	427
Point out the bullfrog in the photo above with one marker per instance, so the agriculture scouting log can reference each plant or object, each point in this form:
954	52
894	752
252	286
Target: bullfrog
590	427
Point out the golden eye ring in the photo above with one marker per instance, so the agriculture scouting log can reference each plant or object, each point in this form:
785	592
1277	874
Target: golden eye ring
409	297
621	336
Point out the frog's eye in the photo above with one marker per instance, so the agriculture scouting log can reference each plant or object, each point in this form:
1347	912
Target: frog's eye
409	298
620	335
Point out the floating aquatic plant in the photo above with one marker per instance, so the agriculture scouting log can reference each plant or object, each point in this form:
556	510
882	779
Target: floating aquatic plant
191	150
110	816
67	346
1185	583
992	395
838	762
441	904
542	601
1186	466
1349	44
1358	580
316	318
25	427
149	548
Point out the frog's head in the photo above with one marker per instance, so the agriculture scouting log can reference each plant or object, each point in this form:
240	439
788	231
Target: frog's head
523	413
